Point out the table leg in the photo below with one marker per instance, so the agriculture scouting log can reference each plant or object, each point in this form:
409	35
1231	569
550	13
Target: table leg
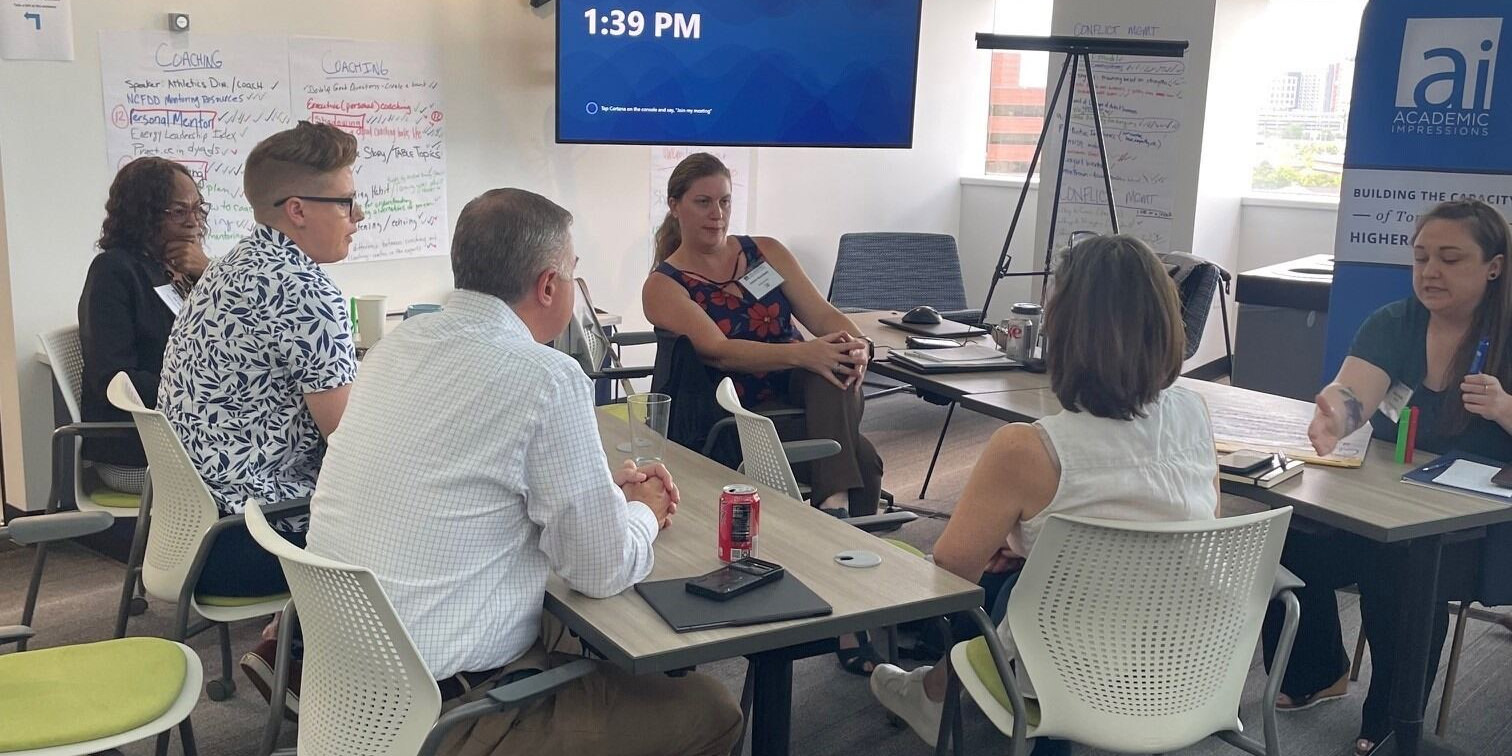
772	709
1415	616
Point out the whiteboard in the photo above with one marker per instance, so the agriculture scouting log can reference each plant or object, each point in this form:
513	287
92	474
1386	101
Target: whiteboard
389	97
664	159
202	101
1142	102
206	100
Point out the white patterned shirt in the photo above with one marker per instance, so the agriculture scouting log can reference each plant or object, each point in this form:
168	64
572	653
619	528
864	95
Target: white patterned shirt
467	466
261	329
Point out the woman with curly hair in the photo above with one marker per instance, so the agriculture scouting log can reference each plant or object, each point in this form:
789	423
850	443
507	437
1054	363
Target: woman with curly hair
151	253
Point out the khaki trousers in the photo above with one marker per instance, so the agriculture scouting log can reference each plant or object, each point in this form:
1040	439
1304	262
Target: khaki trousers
607	712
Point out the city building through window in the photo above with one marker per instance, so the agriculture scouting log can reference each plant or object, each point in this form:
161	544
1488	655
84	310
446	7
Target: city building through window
1302	108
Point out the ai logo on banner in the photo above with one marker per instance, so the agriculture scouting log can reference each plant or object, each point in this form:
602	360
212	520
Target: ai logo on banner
1446	80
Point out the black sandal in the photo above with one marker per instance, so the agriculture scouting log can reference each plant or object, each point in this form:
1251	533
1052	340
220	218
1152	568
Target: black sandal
855	660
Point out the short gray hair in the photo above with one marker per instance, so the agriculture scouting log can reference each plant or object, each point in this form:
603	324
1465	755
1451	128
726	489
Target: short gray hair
505	239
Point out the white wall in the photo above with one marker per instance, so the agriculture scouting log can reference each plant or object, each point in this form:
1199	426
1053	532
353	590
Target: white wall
498	59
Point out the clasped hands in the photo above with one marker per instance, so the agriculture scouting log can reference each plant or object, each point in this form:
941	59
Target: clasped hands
838	357
650	485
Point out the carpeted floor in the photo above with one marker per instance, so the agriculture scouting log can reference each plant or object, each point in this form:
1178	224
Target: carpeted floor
834	713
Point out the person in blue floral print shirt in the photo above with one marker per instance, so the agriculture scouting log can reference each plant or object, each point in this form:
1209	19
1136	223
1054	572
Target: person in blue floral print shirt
260	360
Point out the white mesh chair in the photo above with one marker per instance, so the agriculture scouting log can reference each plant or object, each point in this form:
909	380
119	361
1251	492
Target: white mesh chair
137	688
1137	636
365	691
183	523
66	359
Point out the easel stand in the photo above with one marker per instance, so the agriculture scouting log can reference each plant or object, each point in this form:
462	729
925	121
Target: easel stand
1078	52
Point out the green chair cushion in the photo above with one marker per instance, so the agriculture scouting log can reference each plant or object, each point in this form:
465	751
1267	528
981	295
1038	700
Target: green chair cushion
234	601
908	547
981	663
109	497
75	694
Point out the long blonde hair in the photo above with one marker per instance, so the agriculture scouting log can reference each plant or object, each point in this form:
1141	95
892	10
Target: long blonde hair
692	168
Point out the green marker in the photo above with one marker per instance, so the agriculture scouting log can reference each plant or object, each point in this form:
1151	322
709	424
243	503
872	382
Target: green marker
1404	427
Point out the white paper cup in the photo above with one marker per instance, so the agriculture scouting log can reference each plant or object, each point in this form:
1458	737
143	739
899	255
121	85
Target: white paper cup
371	311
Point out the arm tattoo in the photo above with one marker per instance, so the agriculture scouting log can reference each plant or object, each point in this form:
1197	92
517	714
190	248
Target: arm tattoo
1354	411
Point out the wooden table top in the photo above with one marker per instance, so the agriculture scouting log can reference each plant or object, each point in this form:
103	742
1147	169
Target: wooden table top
1370	501
950	385
800	538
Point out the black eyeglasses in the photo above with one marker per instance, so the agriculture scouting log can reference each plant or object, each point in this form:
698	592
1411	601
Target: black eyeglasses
181	213
348	202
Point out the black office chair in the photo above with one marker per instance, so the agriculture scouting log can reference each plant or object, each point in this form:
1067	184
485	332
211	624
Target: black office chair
1197	281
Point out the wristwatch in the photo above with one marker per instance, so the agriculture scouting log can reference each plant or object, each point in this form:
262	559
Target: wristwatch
871	347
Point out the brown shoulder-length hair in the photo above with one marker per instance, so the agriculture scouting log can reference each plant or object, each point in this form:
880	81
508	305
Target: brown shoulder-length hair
692	168
1113	333
139	195
1489	229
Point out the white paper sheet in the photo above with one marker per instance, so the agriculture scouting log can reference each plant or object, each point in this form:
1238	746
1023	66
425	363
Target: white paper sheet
36	30
1472	476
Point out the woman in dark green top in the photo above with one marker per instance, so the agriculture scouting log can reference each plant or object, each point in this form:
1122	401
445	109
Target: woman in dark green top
1414	353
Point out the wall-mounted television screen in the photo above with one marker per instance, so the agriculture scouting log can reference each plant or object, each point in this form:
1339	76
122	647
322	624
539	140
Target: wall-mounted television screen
792	73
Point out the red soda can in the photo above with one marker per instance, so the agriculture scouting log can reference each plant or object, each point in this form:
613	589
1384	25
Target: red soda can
739	522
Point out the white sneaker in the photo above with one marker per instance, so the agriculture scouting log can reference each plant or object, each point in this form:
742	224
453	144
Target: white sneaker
902	692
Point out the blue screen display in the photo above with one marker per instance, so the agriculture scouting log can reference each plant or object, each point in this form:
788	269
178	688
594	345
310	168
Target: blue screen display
815	73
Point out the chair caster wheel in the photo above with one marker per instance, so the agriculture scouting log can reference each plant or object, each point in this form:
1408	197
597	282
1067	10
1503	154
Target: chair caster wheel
138	606
220	690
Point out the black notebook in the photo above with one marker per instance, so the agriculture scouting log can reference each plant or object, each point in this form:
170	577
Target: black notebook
784	599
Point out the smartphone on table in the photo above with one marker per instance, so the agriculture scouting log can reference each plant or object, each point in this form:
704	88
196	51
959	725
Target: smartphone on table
737	577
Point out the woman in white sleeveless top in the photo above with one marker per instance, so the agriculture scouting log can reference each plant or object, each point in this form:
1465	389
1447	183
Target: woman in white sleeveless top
1130	445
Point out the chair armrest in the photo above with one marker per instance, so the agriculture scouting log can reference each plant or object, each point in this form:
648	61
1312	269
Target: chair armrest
1010	682
506	697
103	428
26	531
782	412
15	633
807	451
616	373
967	316
1285	581
521	692
633	338
278	507
878	522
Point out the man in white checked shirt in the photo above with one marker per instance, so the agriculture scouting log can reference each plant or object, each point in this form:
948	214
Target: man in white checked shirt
468	465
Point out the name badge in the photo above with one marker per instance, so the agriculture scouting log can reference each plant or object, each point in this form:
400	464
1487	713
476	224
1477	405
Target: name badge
1396	399
170	297
760	280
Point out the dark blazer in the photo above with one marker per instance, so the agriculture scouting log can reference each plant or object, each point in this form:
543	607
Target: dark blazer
123	326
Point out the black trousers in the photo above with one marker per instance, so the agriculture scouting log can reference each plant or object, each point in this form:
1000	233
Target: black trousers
237	566
1333	559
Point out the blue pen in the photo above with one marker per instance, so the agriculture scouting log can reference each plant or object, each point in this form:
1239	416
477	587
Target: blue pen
1478	363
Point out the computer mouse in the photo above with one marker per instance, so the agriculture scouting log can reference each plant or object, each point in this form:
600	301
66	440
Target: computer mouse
922	315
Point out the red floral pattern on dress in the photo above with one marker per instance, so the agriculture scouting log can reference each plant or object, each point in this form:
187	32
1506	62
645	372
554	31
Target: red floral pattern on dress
765	320
738	315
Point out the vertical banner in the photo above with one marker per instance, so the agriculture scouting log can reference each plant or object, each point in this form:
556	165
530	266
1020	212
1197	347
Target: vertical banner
1431	120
